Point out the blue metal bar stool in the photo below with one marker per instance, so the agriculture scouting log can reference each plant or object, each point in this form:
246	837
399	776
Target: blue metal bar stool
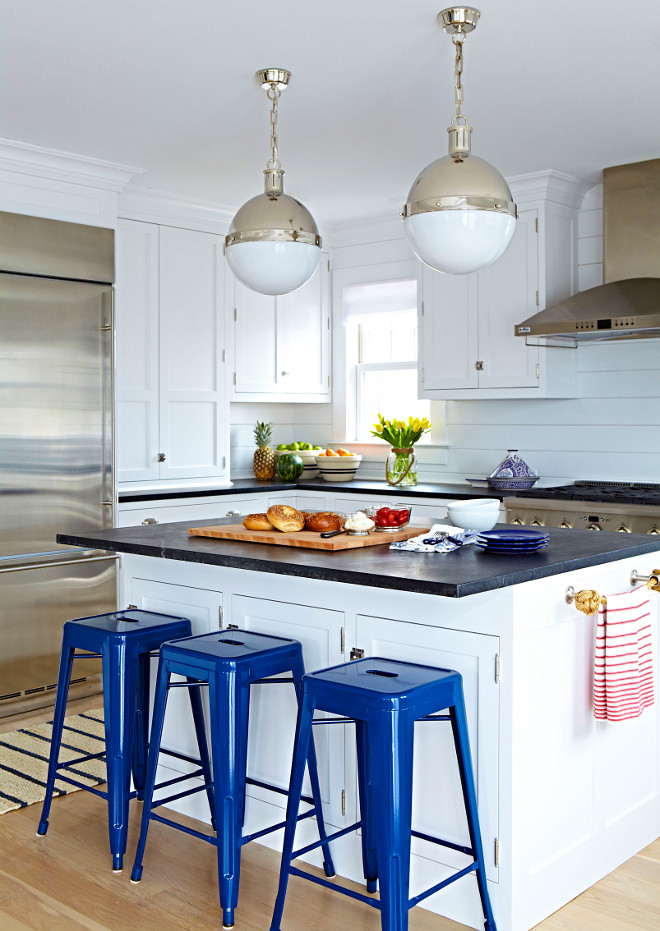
124	640
385	698
229	662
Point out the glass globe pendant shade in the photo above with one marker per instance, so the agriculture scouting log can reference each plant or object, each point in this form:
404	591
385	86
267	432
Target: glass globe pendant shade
460	215
273	245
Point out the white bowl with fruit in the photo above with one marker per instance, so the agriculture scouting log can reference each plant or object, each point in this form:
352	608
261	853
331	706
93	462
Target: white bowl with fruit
337	465
307	453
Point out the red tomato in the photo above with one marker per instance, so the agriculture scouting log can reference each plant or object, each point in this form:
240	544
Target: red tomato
392	520
403	517
381	511
381	520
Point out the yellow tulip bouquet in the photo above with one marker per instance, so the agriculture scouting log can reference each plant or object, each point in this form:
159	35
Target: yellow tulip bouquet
401	436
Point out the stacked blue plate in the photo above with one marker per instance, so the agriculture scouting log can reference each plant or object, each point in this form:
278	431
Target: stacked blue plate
512	542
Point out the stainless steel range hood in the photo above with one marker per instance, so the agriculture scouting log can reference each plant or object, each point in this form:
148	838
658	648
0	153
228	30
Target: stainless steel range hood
627	306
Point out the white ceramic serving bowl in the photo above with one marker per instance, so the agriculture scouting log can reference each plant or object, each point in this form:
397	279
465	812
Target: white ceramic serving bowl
308	457
474	513
338	468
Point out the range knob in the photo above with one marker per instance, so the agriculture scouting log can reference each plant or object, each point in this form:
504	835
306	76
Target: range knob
517	521
536	522
593	527
654	531
566	524
623	529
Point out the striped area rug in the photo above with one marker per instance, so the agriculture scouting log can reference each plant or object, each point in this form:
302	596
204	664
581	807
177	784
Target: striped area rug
24	759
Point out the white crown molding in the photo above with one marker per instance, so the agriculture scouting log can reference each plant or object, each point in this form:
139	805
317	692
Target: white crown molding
556	186
55	165
138	203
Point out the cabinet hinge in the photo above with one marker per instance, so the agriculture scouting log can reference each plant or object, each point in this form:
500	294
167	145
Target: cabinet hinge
220	617
234	315
422	308
342	640
328	264
537	298
479	366
224	462
356	653
224	355
538	371
343	801
328	322
328	381
496	851
422	373
234	377
536	223
498	668
105	329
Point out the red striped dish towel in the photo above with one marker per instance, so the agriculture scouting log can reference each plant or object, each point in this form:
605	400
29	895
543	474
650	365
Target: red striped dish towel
623	664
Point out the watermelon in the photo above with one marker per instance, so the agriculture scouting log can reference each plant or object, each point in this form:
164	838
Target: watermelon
289	467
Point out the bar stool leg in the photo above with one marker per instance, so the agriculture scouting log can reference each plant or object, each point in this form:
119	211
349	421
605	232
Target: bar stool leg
227	700
202	743
301	745
119	711
462	743
63	679
369	861
390	739
312	767
160	702
141	741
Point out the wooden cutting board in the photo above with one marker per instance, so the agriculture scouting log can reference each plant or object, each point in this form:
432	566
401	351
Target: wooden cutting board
305	538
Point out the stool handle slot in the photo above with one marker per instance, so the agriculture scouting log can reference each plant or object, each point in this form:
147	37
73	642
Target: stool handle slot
382	672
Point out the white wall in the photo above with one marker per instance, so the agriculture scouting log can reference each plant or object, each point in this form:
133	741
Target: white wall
611	430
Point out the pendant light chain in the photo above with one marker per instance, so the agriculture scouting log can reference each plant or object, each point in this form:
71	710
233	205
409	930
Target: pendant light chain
273	93
458	39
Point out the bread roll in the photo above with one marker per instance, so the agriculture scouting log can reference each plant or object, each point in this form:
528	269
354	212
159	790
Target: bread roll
257	522
285	518
323	520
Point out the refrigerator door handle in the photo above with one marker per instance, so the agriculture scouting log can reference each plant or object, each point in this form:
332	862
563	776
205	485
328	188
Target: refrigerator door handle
59	562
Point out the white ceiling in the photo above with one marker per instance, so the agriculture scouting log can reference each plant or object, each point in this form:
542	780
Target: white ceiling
168	86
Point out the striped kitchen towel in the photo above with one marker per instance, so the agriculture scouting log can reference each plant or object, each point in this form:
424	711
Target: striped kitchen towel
623	664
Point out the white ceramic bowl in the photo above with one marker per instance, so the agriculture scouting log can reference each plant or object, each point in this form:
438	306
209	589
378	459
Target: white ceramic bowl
308	457
338	468
474	513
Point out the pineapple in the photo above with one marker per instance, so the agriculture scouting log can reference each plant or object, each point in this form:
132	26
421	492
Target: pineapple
263	462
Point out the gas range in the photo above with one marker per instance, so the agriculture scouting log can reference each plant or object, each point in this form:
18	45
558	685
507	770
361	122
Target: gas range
627	507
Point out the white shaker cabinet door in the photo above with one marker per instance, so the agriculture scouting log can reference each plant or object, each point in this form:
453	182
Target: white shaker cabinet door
507	295
255	338
302	337
136	327
192	417
448	342
438	808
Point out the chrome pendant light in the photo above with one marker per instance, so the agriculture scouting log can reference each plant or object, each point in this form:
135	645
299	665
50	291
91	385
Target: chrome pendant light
460	215
273	245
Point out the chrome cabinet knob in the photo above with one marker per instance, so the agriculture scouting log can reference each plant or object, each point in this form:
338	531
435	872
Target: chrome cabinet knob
150	520
161	457
233	514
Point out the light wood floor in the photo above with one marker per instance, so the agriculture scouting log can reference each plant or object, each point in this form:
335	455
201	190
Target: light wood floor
64	882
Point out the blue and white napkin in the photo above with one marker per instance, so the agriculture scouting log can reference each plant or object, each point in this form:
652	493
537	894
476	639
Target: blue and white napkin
459	536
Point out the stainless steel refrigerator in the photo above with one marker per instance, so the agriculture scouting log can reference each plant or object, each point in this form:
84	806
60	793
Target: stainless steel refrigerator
56	456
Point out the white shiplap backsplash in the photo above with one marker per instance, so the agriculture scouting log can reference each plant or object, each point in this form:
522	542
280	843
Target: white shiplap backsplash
610	431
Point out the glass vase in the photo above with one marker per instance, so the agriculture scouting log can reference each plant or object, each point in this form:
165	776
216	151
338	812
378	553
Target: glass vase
400	468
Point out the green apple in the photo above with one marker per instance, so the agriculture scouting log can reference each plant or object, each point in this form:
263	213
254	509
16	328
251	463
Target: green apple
292	446
281	446
304	446
316	447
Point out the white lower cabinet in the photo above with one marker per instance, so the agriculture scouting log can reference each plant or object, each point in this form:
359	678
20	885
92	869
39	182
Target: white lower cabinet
273	708
166	511
438	807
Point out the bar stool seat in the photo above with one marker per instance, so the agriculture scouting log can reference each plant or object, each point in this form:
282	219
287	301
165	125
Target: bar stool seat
385	698
124	640
229	662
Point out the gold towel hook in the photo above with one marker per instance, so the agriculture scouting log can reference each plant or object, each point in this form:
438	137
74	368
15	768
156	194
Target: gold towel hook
587	600
652	581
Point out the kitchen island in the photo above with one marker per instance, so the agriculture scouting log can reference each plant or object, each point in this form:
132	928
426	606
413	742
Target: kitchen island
563	799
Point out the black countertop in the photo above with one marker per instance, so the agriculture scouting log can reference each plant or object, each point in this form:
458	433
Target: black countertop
466	571
250	485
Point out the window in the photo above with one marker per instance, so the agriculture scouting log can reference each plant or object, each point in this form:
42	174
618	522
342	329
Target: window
381	354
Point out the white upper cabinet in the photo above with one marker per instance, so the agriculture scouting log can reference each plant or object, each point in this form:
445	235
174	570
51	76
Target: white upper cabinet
467	346
171	421
281	344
